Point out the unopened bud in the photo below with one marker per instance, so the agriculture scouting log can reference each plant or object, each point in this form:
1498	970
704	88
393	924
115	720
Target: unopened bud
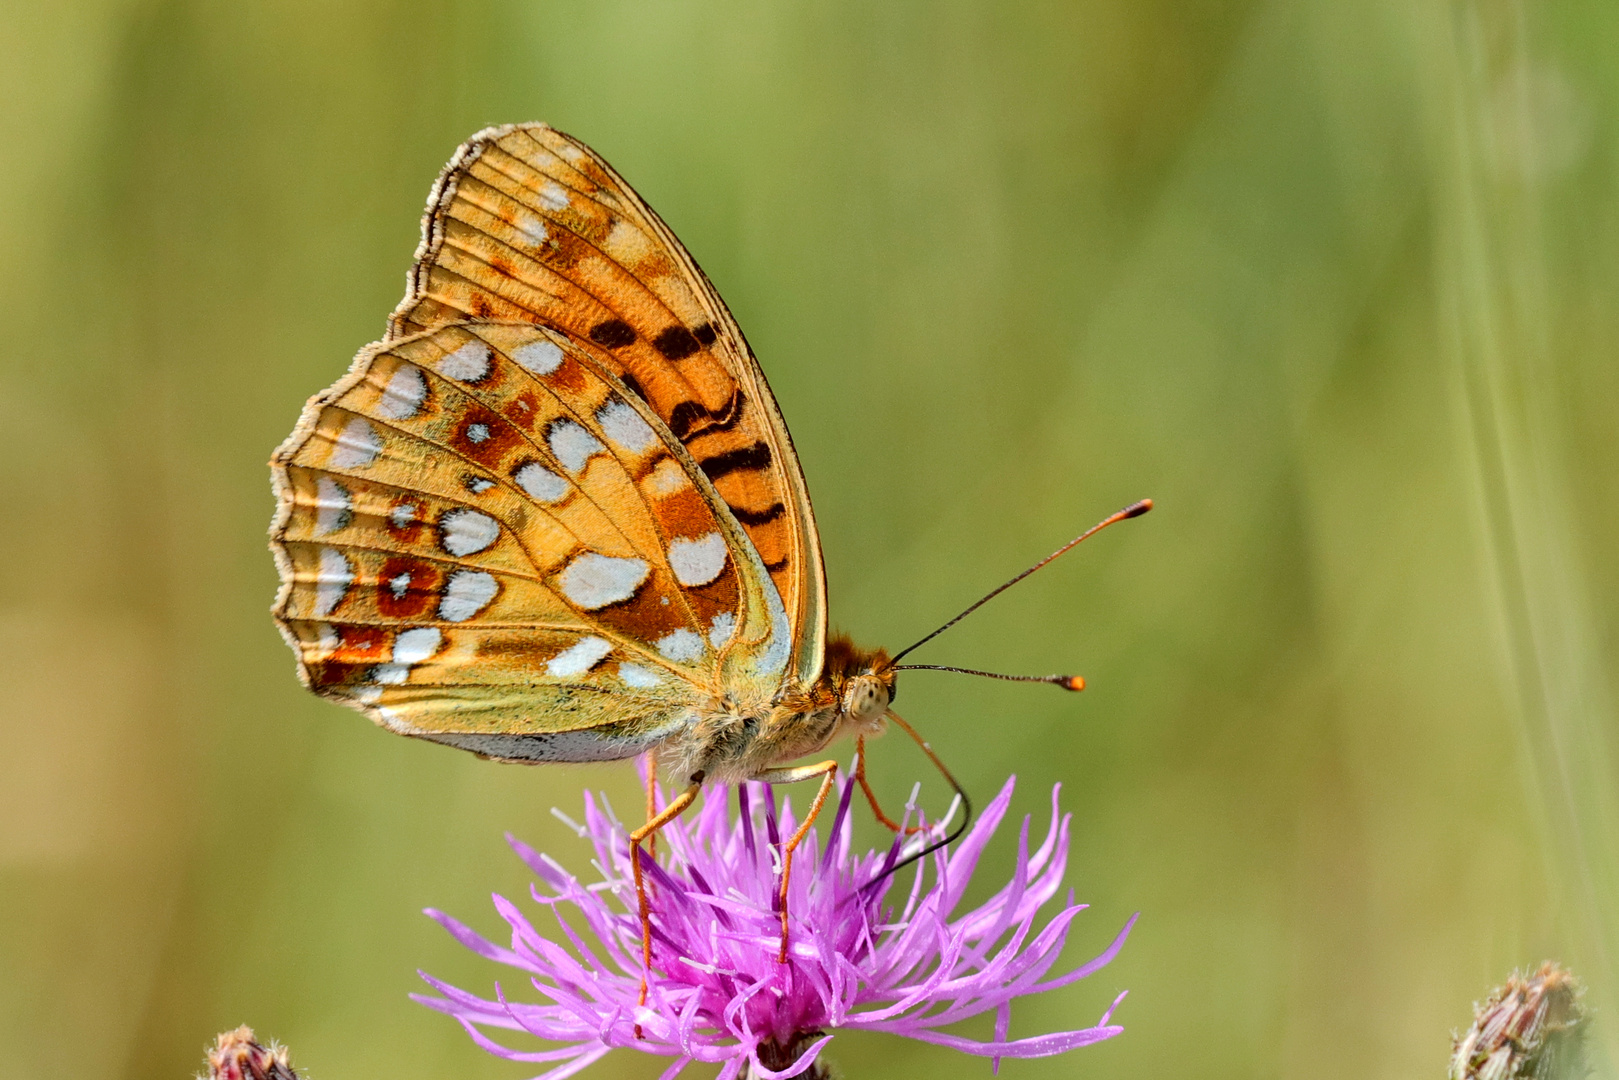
236	1056
1529	1029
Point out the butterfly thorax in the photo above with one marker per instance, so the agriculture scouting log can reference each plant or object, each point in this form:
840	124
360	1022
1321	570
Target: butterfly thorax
731	741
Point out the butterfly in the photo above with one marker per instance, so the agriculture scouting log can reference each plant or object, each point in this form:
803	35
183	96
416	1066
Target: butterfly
555	515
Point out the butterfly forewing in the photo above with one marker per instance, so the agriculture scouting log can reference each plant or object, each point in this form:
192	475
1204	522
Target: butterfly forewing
528	225
483	532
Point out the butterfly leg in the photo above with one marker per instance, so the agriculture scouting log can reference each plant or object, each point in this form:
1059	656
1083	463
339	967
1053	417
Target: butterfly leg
827	771
654	823
651	767
871	796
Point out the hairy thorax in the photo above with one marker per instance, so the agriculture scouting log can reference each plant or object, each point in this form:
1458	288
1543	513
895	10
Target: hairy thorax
730	741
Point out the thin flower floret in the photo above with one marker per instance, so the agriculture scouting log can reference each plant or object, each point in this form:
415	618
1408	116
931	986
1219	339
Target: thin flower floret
718	993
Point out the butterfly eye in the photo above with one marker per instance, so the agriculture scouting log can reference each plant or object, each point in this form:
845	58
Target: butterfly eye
865	698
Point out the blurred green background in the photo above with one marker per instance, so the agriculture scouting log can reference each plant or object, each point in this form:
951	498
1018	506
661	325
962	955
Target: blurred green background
1334	283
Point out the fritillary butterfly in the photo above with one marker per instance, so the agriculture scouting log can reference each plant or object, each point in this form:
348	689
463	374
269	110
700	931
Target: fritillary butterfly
555	514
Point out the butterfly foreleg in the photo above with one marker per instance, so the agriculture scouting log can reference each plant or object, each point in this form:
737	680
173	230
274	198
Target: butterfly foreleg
827	771
871	796
654	822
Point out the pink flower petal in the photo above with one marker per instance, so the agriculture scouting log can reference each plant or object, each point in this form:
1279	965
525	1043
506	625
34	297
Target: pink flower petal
718	990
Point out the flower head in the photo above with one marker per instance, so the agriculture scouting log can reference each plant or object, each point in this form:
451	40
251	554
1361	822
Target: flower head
1529	1029
238	1055
718	994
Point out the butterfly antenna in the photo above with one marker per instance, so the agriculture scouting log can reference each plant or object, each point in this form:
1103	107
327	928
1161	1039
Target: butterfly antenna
1135	509
961	793
1067	682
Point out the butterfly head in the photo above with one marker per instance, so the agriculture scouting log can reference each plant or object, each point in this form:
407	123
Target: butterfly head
862	681
866	697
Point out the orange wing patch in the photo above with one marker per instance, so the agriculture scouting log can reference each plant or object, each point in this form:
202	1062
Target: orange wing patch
526	225
481	530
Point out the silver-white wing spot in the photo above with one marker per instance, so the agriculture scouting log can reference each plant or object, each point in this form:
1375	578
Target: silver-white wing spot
637	676
774	658
682	646
572	444
624	426
469	363
721	629
553	196
467	532
416	644
593	581
540	357
334	509
588	745
404	394
668	478
699	561
625	238
579	657
465	594
541	482
411	647
333	576
534	230
402	515
356	445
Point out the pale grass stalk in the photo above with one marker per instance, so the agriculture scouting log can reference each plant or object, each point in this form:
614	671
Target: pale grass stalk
1498	308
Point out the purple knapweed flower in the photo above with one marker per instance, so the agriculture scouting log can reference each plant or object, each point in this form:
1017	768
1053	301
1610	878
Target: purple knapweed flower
718	993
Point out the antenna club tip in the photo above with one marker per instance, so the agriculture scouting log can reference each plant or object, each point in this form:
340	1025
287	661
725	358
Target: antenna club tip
1138	508
1072	682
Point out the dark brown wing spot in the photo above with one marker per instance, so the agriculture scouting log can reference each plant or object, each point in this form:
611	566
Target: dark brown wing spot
756	456
676	343
407	588
522	410
612	334
358	649
757	517
632	385
404	520
706	334
778	566
484	437
685	418
650	465
570	376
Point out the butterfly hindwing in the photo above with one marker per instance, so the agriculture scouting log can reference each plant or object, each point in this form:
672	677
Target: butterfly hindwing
527	224
485	537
